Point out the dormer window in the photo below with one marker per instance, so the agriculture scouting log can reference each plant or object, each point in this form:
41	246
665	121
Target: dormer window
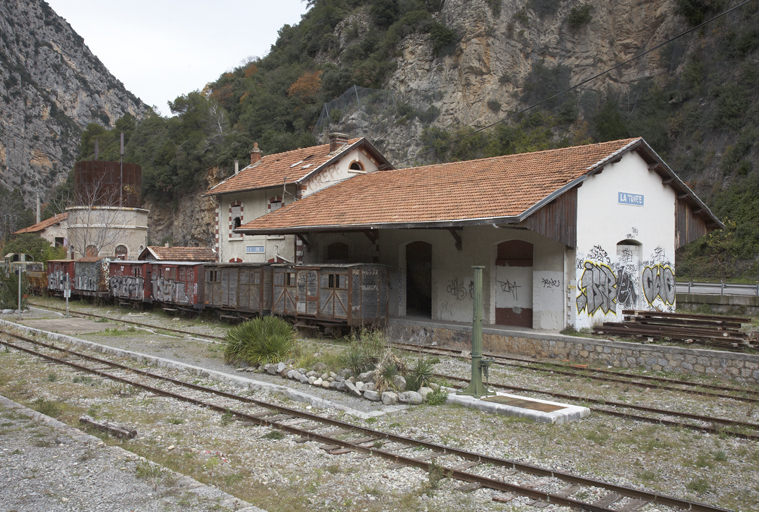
275	203
356	166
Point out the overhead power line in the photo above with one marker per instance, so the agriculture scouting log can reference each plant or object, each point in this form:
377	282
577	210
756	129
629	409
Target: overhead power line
579	84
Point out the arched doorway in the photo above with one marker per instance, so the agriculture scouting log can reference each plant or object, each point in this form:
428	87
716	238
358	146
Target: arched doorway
419	279
513	286
338	252
628	274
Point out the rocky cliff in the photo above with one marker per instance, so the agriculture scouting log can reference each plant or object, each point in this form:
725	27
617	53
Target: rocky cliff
51	87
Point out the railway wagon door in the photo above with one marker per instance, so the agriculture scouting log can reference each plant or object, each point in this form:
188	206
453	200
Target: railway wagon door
228	290
285	292
307	292
334	295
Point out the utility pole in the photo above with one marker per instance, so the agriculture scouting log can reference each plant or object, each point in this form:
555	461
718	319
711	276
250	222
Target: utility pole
480	366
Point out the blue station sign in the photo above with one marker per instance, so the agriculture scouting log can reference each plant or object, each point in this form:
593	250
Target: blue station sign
631	199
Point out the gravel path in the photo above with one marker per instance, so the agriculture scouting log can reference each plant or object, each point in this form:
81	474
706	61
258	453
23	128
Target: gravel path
49	466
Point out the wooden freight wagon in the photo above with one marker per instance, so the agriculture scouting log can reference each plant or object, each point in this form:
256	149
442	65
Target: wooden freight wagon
177	285
91	277
332	294
238	290
130	282
59	274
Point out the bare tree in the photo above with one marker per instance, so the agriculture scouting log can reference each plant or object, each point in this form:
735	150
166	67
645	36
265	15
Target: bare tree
95	221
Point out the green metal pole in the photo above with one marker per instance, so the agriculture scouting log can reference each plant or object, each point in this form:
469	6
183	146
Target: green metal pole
476	388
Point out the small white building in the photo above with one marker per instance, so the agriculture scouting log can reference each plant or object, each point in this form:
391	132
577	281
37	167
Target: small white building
273	181
53	230
568	237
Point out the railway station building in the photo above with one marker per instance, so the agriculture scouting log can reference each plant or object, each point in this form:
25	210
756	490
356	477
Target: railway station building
568	237
273	181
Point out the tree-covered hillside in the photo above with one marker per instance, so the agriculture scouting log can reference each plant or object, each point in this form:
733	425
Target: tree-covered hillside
701	114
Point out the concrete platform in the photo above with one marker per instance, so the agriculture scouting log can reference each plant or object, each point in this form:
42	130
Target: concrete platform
516	406
67	325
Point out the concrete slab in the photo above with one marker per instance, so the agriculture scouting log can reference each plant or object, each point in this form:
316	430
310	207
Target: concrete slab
542	411
67	325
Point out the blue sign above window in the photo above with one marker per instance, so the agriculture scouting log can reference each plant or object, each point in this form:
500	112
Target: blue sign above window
633	199
254	248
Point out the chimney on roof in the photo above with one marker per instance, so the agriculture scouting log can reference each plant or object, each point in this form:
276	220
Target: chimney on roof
255	154
337	141
237	166
166	244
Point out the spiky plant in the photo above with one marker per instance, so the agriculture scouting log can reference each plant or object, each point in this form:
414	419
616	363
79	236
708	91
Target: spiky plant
262	340
421	373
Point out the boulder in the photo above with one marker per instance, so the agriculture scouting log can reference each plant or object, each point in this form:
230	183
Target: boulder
318	382
372	395
410	397
389	398
399	382
424	391
320	367
271	369
366	377
303	378
352	389
326	384
290	374
280	367
360	385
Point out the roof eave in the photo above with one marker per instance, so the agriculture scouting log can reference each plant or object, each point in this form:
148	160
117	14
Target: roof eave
439	224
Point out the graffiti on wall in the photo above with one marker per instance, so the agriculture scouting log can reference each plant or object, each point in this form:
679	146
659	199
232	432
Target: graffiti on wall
127	287
550	283
598	288
509	287
627	275
458	290
659	279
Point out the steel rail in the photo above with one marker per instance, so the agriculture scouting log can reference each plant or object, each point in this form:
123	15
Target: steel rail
131	322
708	419
458	474
457	354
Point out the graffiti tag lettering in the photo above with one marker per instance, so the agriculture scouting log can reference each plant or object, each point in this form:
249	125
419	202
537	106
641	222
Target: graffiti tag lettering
456	289
659	281
509	287
550	283
598	288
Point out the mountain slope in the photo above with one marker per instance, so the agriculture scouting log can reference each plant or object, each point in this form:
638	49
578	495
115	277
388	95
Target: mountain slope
51	87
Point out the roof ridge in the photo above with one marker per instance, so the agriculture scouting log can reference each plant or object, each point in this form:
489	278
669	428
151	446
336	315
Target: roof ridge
627	141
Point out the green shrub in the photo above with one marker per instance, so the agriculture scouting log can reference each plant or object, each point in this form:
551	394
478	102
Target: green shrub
9	291
437	397
494	105
580	15
366	350
442	37
263	340
420	374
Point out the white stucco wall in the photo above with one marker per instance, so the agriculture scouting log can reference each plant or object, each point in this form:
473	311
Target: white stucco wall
254	204
640	275
452	273
107	227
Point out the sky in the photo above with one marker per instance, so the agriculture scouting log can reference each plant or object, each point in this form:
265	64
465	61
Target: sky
161	49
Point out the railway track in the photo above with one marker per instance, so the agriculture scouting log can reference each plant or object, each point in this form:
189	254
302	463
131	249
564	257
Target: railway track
703	423
338	437
641	381
600	374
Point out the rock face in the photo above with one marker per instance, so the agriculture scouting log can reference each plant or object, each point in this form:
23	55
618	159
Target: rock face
51	87
495	54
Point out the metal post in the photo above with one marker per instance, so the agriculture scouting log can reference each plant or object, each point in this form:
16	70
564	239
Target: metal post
722	288
67	293
476	388
19	289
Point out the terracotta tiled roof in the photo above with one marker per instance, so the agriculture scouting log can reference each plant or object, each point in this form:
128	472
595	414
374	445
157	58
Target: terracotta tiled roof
179	253
294	165
60	217
470	191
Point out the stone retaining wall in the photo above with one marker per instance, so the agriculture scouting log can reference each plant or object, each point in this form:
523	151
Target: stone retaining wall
741	367
744	305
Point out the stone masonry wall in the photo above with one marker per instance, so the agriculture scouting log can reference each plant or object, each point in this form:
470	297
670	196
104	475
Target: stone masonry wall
620	354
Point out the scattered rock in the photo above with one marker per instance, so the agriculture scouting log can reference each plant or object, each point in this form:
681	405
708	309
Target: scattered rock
399	382
410	397
352	389
389	398
424	391
366	377
372	395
